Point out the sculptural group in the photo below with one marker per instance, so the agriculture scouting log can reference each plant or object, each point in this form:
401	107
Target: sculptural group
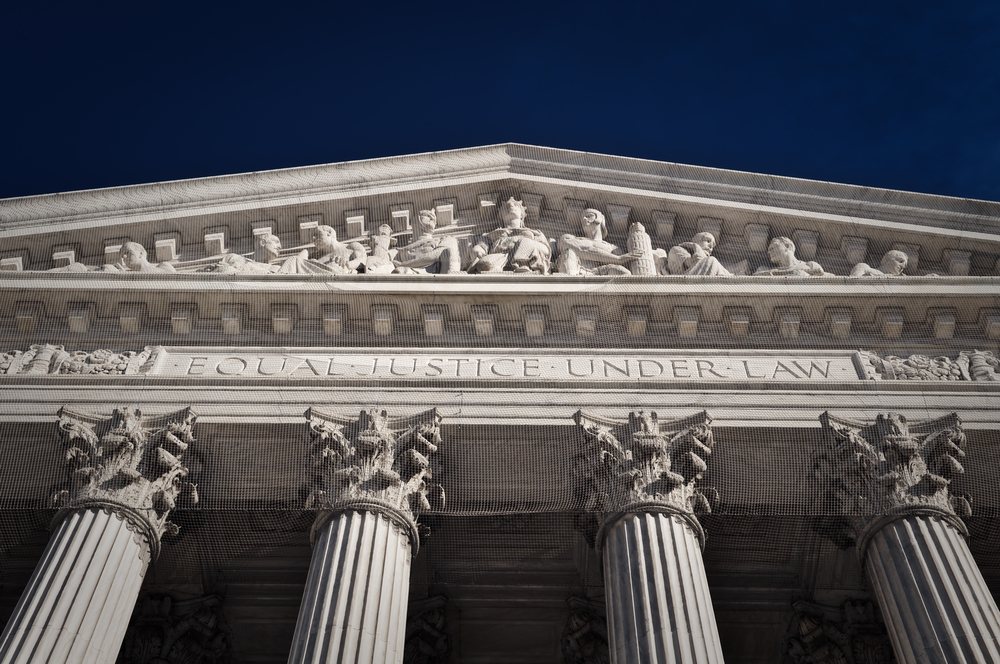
512	248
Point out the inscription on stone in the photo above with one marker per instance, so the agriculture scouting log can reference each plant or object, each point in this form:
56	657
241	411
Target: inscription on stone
425	367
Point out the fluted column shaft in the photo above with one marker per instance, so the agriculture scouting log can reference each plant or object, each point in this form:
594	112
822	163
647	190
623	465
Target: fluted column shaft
78	602
354	606
935	603
658	605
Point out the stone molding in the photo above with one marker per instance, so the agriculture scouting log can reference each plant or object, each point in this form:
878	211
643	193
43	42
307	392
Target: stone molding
377	464
831	635
127	466
643	465
165	631
872	474
585	636
428	637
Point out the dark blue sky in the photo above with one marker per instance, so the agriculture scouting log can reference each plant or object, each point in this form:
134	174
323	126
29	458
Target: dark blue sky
903	95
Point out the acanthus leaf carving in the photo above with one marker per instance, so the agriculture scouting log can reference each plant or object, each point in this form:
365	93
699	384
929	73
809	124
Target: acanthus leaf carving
645	464
829	635
376	462
129	466
888	469
164	631
585	636
428	639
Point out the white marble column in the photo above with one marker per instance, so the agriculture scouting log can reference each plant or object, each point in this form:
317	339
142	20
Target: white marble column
658	605
935	603
373	478
354	606
77	605
888	484
79	600
639	478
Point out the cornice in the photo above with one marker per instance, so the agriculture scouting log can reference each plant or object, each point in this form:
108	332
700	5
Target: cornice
228	193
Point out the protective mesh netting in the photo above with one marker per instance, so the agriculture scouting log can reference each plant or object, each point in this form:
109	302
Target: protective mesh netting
513	490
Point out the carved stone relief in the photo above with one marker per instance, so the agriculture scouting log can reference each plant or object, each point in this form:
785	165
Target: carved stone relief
591	254
914	367
972	365
828	635
428	639
892	265
376	463
127	466
44	359
512	248
585	637
781	251
166	631
644	464
877	472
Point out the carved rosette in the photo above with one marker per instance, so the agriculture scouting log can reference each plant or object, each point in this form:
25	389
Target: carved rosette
585	636
644	465
128	466
873	474
827	635
428	639
375	463
164	631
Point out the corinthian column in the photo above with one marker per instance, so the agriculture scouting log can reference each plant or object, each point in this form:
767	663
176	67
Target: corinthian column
639	477
886	485
125	475
371	481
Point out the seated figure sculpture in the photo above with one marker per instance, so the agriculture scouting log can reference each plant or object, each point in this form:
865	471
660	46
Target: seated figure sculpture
892	265
590	254
429	253
781	251
333	257
514	247
379	260
131	258
695	258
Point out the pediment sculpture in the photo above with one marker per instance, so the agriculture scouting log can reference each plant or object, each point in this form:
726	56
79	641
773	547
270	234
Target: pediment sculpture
892	265
429	251
781	251
512	248
695	258
591	253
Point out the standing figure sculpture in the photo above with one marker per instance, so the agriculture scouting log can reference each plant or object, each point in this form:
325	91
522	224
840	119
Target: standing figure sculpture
590	254
781	251
893	264
333	257
514	247
695	258
428	252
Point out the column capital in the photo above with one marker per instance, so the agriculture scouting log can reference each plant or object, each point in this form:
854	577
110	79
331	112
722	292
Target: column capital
127	465
375	463
875	473
644	464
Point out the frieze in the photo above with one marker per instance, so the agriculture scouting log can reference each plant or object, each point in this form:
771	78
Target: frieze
647	366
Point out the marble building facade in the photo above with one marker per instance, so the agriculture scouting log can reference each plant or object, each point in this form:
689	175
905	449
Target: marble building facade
502	404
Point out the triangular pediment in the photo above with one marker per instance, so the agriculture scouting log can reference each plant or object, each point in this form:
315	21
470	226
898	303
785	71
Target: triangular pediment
833	224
